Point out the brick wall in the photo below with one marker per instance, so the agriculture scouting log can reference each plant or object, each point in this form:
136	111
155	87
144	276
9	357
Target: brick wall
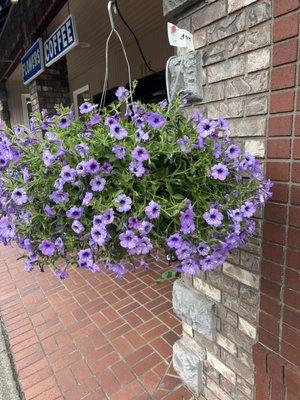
277	355
51	88
235	39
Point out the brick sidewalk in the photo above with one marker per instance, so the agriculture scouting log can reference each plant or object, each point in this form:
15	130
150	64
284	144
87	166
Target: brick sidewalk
90	337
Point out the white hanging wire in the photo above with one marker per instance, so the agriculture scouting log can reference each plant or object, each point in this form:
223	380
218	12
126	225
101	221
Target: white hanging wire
105	82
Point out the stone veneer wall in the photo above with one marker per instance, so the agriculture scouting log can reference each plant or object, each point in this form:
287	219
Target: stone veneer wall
220	309
51	88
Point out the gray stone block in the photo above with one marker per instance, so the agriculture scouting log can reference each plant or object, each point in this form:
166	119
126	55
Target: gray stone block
188	366
194	309
186	75
171	7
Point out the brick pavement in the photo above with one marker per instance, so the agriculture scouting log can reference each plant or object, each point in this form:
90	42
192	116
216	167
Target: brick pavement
90	337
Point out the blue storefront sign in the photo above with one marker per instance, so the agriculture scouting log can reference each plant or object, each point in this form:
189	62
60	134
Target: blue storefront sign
62	40
33	62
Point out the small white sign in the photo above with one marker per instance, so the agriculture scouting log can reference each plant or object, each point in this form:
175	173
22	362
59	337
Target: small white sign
180	37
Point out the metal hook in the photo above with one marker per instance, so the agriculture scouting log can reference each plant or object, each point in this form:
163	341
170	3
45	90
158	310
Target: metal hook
111	7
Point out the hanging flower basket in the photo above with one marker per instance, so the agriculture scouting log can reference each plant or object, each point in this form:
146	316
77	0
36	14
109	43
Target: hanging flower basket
105	188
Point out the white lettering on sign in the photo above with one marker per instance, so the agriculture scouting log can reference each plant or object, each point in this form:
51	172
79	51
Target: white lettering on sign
61	41
180	37
32	62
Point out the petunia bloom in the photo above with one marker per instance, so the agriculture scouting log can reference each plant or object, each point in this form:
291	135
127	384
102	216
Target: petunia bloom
152	210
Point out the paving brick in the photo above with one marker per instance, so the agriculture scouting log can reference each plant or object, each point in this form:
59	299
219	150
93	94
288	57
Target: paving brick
69	343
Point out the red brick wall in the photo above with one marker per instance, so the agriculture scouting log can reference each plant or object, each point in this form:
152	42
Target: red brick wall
277	355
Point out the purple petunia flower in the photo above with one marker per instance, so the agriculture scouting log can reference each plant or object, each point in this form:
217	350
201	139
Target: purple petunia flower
48	158
183	143
187	221
59	197
137	168
58	184
64	122
119	152
208	264
81	168
52	137
87	198
163	104
189	266
25	173
26	216
86	107
174	241
219	171
128	240
233	151
142	246
3	162
97	184
184	251
99	235
142	135
84	256
118	132
47	248
82	149
75	212
152	210
92	166
236	215
108	216
247	162
59	245
19	196
77	226
203	249
119	269
14	154
140	154
95	119
134	222
206	127
123	202
217	150
145	227
48	211
68	174
25	243
7	229
155	120
248	209
223	123
121	93
28	266
62	273
98	220
19	130
106	168
109	121
213	217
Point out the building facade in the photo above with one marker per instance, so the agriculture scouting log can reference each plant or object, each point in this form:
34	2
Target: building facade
241	323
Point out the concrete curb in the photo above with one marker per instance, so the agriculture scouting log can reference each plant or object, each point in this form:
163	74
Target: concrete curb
9	386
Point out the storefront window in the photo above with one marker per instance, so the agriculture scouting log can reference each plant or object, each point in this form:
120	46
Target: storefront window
80	96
